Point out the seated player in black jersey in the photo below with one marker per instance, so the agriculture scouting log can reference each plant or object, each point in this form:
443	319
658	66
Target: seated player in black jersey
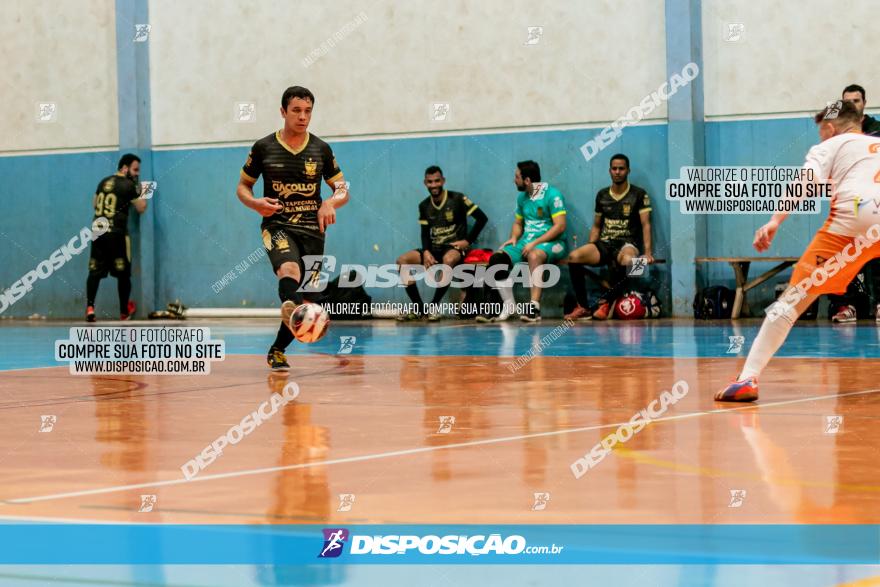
621	229
445	237
292	162
111	252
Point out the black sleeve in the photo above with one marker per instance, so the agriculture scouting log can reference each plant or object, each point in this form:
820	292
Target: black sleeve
134	190
253	167
330	168
426	237
480	220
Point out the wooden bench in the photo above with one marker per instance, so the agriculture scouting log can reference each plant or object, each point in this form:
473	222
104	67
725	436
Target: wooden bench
741	272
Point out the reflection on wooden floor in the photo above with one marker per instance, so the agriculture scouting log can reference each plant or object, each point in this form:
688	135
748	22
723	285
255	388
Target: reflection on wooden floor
381	431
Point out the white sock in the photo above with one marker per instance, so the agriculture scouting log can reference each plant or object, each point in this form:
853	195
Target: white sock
505	290
771	336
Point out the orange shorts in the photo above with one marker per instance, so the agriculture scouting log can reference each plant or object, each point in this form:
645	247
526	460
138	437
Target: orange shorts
832	277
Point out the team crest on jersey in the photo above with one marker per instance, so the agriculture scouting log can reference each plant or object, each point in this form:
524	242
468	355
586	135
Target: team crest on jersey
540	212
311	167
449	215
626	209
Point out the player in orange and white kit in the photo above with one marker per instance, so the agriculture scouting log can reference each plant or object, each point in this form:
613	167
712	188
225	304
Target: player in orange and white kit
850	237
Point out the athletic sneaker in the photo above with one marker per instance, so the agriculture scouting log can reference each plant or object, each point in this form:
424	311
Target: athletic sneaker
132	308
435	317
845	315
508	311
579	313
532	312
739	391
602	311
877	313
287	309
90	314
277	361
408	317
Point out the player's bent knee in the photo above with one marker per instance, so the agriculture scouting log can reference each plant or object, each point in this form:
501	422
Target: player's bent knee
289	269
452	258
537	256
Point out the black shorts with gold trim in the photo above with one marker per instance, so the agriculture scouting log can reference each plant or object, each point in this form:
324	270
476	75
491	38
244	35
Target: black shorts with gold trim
111	253
439	251
285	244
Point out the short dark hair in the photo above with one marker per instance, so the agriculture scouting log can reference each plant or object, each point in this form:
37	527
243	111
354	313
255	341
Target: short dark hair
854	88
296	92
434	169
619	156
529	170
126	161
839	111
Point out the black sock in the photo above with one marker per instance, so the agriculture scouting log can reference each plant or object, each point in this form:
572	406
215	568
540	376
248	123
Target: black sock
283	339
619	281
439	293
413	292
578	275
92	284
288	289
123	286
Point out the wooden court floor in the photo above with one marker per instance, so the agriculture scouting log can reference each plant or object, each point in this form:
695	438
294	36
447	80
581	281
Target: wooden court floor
370	426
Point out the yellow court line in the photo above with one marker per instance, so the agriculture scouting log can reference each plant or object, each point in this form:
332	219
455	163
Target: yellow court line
709	472
868	582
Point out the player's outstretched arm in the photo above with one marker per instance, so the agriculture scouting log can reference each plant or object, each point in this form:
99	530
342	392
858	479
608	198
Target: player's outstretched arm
263	206
645	217
327	211
596	229
340	195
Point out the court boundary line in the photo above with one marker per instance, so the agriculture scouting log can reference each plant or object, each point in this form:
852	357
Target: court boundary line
410	451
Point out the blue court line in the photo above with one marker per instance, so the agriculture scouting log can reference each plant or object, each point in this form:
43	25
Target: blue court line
33	346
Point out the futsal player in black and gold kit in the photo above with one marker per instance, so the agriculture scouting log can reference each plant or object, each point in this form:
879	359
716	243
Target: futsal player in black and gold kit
443	216
111	252
293	162
621	230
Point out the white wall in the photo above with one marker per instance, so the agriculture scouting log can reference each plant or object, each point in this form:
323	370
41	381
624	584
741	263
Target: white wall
594	61
794	55
61	52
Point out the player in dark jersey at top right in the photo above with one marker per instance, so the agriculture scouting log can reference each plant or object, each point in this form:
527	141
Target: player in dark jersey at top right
621	229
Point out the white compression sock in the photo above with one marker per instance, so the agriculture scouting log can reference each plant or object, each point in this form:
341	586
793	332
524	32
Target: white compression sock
505	290
771	336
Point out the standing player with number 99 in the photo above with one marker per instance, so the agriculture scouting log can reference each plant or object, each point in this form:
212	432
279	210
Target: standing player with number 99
111	252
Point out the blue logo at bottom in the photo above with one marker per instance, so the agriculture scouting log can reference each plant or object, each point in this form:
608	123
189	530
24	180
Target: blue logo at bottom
334	540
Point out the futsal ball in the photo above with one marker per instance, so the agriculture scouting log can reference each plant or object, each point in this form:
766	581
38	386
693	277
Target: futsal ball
309	322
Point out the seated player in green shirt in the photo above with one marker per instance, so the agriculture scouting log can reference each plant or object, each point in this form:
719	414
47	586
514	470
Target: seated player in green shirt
537	236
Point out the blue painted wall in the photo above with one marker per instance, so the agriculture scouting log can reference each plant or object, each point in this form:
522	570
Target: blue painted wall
202	231
44	202
782	142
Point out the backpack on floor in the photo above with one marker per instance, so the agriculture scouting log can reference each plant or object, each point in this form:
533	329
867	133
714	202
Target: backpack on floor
714	303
